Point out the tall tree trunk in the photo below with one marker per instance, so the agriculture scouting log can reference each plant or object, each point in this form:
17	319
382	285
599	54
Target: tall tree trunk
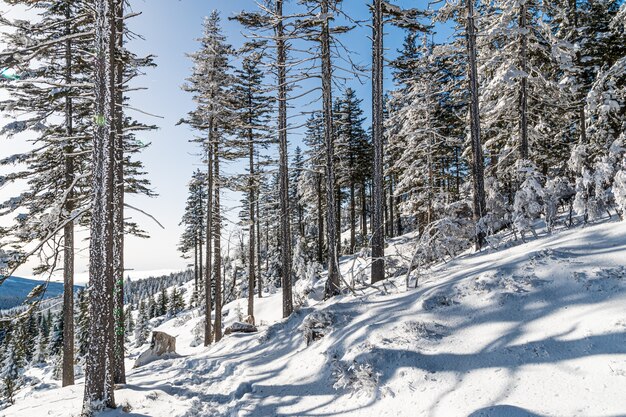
338	202
98	373
68	230
195	267
364	210
258	243
399	229
208	333
392	205
285	232
478	163
332	282
523	97
252	239
201	277
320	220
378	192
119	369
217	254
352	216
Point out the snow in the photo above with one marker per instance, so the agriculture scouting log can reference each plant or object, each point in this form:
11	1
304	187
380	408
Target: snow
533	329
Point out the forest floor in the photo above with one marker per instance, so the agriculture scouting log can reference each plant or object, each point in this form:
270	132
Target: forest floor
531	329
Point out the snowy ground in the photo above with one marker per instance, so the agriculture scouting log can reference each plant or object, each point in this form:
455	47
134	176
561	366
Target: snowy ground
536	329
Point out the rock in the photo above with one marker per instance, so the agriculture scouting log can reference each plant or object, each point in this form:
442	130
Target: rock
249	320
162	344
239	327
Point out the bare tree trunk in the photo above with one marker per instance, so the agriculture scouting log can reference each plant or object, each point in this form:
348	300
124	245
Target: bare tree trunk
378	193
258	244
252	239
478	167
68	230
523	98
98	376
320	220
208	333
364	210
119	369
352	216
217	254
201	269
391	203
285	232
195	266
332	282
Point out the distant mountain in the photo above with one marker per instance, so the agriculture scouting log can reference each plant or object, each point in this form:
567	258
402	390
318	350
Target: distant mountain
14	291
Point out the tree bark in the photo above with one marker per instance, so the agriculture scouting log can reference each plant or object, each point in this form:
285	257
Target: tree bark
98	373
208	333
364	210
523	98
119	370
352	216
332	282
252	239
285	232
320	220
217	254
478	167
378	193
68	230
258	244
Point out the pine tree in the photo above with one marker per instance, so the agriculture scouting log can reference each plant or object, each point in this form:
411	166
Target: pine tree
176	302
253	112
82	325
10	373
141	329
162	303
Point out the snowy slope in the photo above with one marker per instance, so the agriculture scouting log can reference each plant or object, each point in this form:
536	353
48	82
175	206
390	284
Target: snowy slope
536	329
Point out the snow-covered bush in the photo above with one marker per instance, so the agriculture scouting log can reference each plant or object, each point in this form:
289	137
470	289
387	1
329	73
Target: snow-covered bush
528	203
447	236
358	378
555	192
316	325
498	215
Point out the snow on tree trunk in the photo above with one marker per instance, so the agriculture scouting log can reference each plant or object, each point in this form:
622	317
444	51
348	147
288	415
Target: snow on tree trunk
285	232
119	371
378	192
68	230
252	237
478	168
98	373
208	333
217	254
332	282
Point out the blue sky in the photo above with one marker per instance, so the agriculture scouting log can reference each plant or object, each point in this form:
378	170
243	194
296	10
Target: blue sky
170	29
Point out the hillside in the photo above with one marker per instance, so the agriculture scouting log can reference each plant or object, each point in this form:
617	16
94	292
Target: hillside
15	290
534	329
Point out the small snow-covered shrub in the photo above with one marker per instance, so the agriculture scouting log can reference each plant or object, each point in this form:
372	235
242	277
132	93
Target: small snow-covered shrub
555	192
316	325
306	287
447	236
528	202
498	215
358	378
198	334
438	301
